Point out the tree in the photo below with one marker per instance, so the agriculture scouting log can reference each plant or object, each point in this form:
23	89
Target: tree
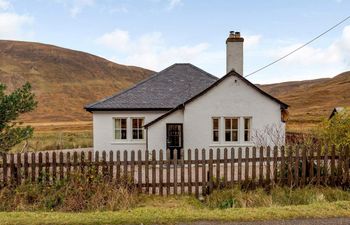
12	105
336	131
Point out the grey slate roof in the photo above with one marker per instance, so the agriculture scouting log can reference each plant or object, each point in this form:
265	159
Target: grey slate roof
162	91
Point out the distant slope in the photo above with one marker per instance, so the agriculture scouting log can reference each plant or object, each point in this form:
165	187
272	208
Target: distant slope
63	80
312	100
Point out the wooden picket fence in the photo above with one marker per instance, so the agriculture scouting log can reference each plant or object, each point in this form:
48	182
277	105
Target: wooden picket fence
194	172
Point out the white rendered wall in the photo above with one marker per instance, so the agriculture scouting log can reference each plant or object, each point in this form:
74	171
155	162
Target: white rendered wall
103	130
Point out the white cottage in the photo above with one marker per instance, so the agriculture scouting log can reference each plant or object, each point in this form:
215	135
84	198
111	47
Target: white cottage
186	107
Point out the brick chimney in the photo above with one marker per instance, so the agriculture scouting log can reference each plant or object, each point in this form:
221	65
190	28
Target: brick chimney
234	52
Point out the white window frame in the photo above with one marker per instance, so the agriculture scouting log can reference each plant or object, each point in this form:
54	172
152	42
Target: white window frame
120	129
249	129
218	129
237	130
142	129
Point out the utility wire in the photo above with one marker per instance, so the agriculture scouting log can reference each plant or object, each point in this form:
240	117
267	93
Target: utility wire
297	49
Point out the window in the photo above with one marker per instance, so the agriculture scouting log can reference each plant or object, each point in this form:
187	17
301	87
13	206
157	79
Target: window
216	125
247	127
120	129
231	129
137	129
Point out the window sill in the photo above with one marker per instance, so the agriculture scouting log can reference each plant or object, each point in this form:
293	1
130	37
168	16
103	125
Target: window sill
128	142
232	144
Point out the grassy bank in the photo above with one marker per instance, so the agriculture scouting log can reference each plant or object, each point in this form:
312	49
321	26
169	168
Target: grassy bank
169	215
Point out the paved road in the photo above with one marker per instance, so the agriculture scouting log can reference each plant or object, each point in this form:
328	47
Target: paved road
332	221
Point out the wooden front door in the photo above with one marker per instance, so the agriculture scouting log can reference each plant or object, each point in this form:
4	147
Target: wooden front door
174	138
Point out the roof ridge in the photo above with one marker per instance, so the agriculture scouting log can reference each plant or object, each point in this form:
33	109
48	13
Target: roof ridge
131	88
203	71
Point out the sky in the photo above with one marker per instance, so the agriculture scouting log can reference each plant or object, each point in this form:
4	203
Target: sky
155	34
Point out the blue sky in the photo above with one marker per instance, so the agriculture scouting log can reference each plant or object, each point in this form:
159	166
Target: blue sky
157	33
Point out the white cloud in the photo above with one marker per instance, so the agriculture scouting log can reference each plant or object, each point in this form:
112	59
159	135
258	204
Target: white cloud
14	26
151	50
78	5
252	40
4	5
174	3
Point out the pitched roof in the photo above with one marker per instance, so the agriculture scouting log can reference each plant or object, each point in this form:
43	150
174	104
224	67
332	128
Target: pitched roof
232	73
162	91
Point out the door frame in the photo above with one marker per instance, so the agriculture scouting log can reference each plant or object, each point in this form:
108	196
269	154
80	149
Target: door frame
182	136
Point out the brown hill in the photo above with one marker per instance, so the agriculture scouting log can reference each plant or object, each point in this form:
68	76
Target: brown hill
63	80
312	100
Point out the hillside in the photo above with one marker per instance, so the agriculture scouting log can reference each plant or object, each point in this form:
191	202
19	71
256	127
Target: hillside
312	100
63	80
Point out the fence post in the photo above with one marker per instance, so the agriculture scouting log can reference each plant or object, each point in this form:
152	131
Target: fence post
283	167
311	163
82	162
189	171
61	166
4	168
125	166
318	180
239	166
175	170
268	165
54	166
40	168
147	170
97	163
204	186
210	177
111	166
261	166
303	172
275	170
182	171
232	167
196	170
254	167
340	164
333	175
33	167
218	167
290	163
225	167
296	167
346	165
246	169
326	167
168	172
19	168
118	175
139	169
26	174
153	171
104	165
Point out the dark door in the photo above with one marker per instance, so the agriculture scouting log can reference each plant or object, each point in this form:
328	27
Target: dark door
174	138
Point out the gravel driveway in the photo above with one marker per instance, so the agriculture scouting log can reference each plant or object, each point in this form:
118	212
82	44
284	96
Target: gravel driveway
331	221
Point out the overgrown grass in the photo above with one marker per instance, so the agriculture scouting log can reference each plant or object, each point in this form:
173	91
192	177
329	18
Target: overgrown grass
56	140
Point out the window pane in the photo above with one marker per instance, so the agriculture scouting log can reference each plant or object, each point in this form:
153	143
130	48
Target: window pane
140	134
234	136
117	134
227	123
215	123
134	123
227	136
141	123
123	134
234	123
134	134
117	123
123	123
215	136
247	123
246	135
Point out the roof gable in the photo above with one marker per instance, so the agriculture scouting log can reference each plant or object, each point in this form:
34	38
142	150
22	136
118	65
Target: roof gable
232	73
162	91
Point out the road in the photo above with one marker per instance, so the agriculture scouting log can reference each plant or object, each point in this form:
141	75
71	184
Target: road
331	221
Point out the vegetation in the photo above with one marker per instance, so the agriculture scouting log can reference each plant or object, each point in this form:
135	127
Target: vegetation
335	131
11	107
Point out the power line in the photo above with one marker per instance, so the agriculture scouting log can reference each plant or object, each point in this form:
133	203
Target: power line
300	47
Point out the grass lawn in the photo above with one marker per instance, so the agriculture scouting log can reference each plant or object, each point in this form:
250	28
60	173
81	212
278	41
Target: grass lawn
173	212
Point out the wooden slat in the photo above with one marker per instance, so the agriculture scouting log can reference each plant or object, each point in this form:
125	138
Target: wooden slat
275	164
25	166
139	169
90	161
118	173
54	166
290	166
111	165
167	171
340	164
61	166
13	171
346	165
82	162
104	166
75	161
19	168
189	172
210	177
303	169
204	186
296	167
33	167
160	172
218	167
175	171
318	178
326	166
153	171
261	166
283	167
182	165
246	165
311	165
268	165
97	160
239	166
225	167
147	171
196	173
254	166
40	167
125	166
232	167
